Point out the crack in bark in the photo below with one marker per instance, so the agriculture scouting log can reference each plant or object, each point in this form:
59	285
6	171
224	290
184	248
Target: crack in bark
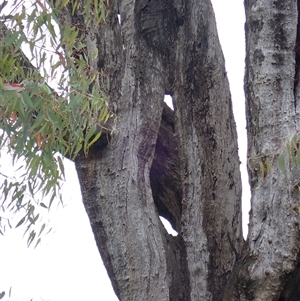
166	192
297	56
164	173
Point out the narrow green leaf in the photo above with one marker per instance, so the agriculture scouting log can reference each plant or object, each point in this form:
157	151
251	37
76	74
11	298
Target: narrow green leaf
31	238
94	140
30	188
281	163
103	114
20	222
64	3
30	211
268	165
298	157
90	133
43	129
36	218
37	243
61	166
74	7
37	122
262	169
77	149
43	205
42	229
52	199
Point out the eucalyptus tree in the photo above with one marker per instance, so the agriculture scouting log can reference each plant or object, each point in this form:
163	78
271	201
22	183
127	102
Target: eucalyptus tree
183	165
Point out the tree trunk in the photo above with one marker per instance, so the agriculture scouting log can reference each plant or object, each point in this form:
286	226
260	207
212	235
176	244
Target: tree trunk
184	165
269	269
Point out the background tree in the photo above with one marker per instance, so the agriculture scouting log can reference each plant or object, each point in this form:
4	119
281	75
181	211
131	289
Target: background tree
184	164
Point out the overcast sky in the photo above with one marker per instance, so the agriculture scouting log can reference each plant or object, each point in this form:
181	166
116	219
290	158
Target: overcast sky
67	265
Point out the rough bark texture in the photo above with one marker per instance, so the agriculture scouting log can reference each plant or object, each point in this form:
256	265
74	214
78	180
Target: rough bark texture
184	165
211	217
270	269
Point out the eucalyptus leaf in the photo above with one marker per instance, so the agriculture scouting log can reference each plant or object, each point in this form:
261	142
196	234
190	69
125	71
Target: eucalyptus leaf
281	163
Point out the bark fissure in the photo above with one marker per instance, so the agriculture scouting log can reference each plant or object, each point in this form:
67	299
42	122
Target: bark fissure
297	55
164	173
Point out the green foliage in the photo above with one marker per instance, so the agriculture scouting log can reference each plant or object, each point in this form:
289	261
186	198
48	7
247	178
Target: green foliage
40	125
265	166
287	158
281	163
292	153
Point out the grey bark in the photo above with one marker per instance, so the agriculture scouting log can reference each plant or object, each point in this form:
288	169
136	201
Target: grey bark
269	266
184	164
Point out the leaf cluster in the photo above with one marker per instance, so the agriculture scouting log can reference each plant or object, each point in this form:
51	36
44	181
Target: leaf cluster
38	124
291	152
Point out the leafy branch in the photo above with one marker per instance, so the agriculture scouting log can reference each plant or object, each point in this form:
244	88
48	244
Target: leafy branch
40	125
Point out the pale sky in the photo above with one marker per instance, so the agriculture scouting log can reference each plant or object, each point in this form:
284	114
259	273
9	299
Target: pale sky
67	265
